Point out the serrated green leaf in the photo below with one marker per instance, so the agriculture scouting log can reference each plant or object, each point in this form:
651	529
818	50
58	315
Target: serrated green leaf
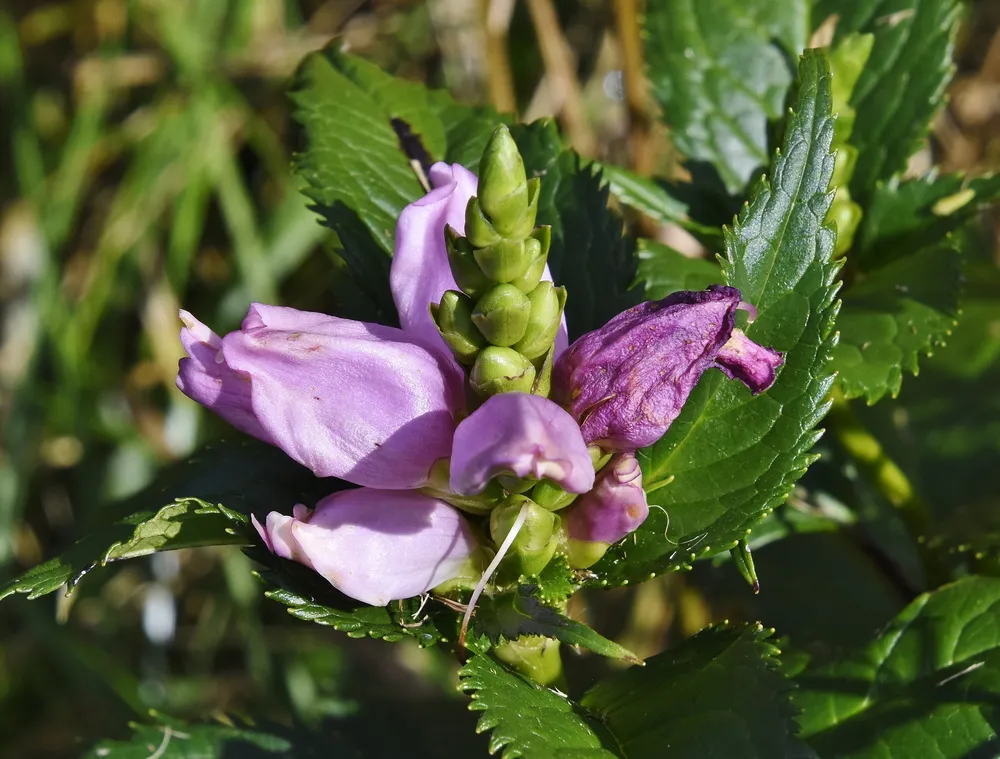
665	270
186	523
719	70
508	616
903	216
896	314
589	255
730	458
903	85
362	621
928	685
527	720
715	696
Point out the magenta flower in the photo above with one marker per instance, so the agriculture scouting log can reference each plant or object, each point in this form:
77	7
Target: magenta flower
375	406
627	381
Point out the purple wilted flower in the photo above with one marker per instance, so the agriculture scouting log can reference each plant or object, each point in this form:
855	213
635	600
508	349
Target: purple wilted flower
627	381
373	405
375	545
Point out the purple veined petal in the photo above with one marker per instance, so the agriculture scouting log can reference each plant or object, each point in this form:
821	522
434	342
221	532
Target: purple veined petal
627	381
376	546
614	508
753	365
420	272
523	434
204	376
347	399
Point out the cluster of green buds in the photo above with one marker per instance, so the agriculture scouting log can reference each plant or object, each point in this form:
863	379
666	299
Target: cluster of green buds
503	320
847	61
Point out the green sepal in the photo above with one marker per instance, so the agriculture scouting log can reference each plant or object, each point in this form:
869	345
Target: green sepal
506	260
454	320
546	306
438	487
536	542
501	370
468	276
538	258
478	228
502	315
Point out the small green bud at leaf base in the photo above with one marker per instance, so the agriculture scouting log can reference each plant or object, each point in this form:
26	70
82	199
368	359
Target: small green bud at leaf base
468	276
454	320
502	315
581	554
843	167
504	261
478	228
550	496
536	542
534	656
537	250
847	216
503	184
744	563
847	61
547	303
501	370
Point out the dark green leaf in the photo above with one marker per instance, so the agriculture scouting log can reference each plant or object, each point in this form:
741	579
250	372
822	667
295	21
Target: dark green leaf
891	317
527	720
508	616
665	271
730	458
719	70
395	622
903	84
718	695
186	523
589	254
904	216
928	685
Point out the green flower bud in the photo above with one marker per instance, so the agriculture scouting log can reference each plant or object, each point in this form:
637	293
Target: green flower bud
536	541
581	554
843	166
454	320
477	227
547	303
503	184
534	656
501	370
550	496
847	216
536	249
468	276
502	315
506	260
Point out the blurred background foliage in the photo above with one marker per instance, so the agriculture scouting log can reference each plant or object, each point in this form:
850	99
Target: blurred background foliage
146	148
